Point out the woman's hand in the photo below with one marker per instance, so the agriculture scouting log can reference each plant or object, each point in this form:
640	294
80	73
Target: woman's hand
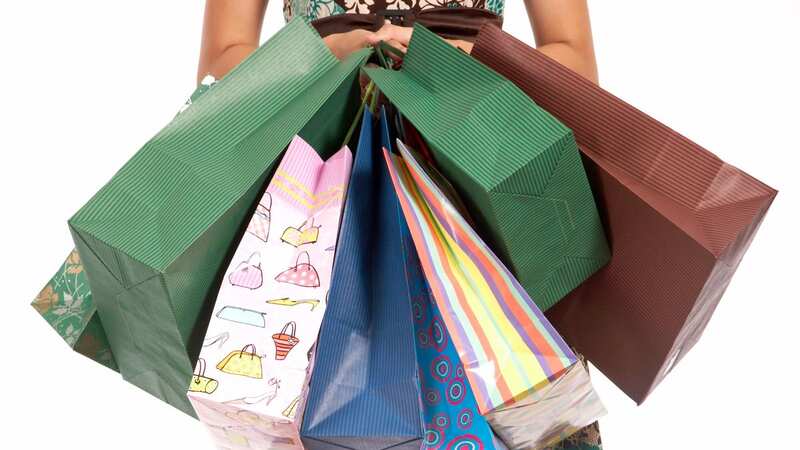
396	36
460	44
343	44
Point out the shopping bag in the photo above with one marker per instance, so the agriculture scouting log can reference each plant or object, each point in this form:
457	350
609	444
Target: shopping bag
364	392
527	382
516	167
587	438
155	239
451	416
679	220
264	361
66	303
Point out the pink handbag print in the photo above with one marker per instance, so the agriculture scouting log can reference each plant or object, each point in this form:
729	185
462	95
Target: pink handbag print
302	274
259	223
247	274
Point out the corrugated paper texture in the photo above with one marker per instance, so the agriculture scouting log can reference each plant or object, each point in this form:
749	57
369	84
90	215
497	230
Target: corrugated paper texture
154	239
516	167
364	393
678	218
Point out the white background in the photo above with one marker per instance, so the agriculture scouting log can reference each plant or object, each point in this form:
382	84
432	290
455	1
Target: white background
83	84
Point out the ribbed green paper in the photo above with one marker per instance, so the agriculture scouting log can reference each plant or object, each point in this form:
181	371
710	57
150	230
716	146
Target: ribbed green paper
154	238
517	168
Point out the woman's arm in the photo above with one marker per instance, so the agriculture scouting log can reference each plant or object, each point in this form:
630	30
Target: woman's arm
562	31
231	31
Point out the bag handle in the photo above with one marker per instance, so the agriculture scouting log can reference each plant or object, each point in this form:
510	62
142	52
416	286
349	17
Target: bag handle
268	196
244	350
297	261
252	255
356	119
309	226
201	372
286	328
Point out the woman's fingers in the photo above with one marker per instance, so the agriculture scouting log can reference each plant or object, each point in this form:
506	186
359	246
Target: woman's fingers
461	44
389	32
398	45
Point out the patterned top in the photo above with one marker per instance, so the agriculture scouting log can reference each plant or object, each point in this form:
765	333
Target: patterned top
318	9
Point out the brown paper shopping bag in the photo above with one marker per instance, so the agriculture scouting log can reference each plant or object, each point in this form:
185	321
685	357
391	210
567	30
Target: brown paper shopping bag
678	220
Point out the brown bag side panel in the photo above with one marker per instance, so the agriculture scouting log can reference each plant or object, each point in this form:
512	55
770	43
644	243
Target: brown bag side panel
678	221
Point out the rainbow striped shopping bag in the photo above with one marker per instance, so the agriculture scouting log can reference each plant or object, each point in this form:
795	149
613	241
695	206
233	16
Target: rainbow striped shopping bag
527	382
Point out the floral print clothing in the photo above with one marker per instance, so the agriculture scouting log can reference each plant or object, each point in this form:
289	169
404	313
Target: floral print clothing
318	9
66	304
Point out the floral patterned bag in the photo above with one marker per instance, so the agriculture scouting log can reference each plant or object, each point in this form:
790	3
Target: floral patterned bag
66	304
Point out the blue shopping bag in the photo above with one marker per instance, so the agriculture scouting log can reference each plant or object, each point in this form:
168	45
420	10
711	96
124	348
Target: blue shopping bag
364	392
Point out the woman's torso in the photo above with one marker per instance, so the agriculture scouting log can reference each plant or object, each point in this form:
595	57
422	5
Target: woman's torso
319	9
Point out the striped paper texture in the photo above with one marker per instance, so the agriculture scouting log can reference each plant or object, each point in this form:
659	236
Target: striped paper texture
506	345
514	165
306	181
154	239
679	220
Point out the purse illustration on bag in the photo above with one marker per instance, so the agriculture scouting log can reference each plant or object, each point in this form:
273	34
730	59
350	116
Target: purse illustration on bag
243	363
302	274
285	341
260	222
247	274
200	382
299	236
243	316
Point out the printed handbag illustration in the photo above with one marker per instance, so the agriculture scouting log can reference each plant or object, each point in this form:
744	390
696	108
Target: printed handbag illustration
260	222
243	316
241	362
285	341
247	274
282	314
202	383
299	236
302	274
